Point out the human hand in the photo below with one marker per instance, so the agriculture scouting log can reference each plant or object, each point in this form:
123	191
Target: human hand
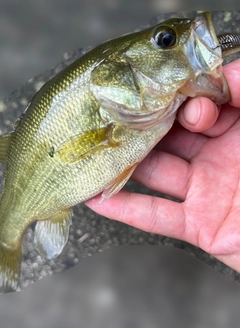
201	169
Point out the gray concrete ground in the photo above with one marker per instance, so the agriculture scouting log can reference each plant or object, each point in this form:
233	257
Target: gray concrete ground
128	287
124	287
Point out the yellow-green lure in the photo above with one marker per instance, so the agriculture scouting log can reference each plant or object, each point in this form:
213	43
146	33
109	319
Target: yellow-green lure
87	129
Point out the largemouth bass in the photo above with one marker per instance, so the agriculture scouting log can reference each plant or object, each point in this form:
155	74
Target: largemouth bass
88	128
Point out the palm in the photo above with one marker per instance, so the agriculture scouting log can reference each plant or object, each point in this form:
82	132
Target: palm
212	198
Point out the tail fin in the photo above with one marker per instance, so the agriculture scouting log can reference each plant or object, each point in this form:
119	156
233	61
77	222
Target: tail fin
10	261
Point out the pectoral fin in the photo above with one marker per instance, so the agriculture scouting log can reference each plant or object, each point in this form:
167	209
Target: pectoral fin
52	235
4	145
83	145
118	183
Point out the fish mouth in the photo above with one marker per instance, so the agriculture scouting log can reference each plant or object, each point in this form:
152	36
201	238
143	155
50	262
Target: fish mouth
229	43
203	48
209	48
205	51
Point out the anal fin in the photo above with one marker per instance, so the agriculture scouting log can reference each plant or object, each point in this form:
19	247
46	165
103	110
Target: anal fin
10	263
4	145
118	183
51	235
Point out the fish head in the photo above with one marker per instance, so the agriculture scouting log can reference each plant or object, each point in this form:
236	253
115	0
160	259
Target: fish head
151	72
181	55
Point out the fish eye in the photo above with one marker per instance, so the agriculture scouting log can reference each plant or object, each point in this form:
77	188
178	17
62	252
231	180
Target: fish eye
164	38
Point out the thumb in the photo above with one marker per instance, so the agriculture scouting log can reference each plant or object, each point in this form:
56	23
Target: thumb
198	114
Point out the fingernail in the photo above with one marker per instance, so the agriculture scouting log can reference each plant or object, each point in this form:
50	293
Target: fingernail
192	114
